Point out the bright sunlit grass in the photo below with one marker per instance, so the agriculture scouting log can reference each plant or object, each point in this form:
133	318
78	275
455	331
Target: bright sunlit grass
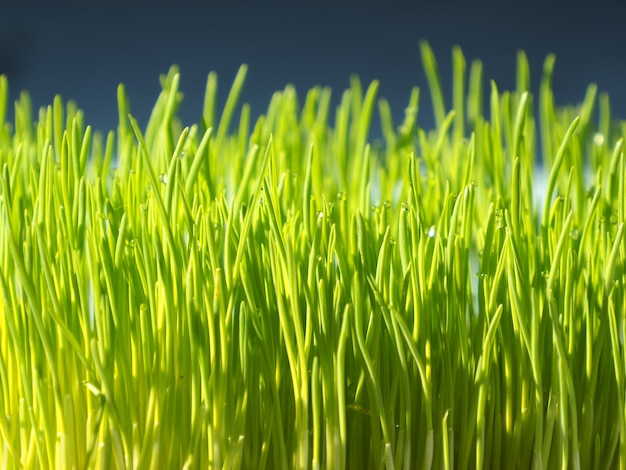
288	294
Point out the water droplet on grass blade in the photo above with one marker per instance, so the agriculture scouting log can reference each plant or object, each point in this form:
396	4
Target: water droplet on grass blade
431	231
387	204
574	234
598	139
163	178
500	220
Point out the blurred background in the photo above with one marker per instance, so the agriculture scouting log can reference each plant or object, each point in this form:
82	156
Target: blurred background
82	50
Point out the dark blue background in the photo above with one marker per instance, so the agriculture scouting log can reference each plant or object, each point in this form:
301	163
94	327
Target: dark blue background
83	50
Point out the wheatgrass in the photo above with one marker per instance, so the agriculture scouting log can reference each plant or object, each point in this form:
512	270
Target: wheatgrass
289	293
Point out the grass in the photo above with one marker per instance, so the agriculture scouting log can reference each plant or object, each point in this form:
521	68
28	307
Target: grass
286	293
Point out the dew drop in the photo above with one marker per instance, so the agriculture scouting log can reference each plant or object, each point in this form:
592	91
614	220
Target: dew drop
474	184
405	206
500	221
431	231
545	274
341	196
387	204
574	234
613	220
598	139
163	178
320	215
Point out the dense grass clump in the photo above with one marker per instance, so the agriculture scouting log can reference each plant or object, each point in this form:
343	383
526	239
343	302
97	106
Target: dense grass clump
287	294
